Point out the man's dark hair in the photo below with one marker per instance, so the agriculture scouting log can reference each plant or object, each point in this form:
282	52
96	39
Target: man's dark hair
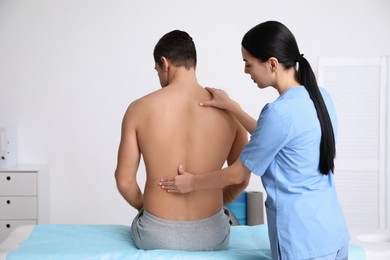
178	47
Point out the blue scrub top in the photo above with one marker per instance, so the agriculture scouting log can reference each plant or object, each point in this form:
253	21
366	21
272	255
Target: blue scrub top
304	216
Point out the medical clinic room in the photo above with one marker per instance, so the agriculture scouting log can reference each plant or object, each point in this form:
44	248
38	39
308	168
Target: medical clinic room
195	129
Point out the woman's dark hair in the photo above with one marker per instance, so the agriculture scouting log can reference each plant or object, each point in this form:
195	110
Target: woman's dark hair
178	47
273	39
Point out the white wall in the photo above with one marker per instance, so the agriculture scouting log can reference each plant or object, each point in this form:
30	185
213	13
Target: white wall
69	69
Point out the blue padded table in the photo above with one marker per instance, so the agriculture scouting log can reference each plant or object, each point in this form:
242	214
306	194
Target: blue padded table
114	242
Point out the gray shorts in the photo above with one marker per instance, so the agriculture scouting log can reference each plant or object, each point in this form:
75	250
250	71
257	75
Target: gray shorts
212	233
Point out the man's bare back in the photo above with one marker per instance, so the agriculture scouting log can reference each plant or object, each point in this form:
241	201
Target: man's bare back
171	129
168	128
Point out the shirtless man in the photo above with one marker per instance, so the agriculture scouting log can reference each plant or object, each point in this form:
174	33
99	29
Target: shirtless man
168	128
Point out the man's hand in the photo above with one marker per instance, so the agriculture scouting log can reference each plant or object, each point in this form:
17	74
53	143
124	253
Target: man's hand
182	183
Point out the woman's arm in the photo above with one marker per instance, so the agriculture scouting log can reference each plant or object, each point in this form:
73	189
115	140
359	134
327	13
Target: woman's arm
222	100
186	182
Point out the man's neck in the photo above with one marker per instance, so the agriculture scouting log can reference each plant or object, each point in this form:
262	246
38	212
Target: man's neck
180	76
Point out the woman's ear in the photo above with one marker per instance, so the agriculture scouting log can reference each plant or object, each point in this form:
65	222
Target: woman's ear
273	63
165	63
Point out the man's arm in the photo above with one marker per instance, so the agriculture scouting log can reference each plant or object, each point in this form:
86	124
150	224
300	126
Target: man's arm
128	161
230	193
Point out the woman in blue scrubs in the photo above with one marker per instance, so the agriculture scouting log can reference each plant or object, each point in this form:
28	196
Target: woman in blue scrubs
292	148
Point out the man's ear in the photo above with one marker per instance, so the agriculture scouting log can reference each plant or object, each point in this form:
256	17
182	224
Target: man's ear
165	63
274	64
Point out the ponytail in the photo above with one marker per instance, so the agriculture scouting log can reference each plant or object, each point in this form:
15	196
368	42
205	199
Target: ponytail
327	147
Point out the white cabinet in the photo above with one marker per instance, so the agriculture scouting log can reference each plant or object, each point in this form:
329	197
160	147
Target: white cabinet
23	198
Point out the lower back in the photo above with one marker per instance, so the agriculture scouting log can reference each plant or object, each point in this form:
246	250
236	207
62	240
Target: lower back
182	207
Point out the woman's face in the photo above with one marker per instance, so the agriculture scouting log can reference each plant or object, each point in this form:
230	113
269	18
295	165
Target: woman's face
259	71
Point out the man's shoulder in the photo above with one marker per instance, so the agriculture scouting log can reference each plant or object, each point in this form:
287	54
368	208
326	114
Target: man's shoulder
145	100
139	108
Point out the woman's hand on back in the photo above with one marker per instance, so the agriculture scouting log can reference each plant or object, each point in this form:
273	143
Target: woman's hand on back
220	99
182	183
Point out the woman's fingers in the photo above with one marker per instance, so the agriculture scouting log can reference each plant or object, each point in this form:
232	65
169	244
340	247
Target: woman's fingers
220	99
166	183
178	184
204	103
168	186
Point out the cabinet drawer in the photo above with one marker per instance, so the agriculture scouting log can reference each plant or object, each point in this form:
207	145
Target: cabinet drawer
7	226
18	183
18	208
